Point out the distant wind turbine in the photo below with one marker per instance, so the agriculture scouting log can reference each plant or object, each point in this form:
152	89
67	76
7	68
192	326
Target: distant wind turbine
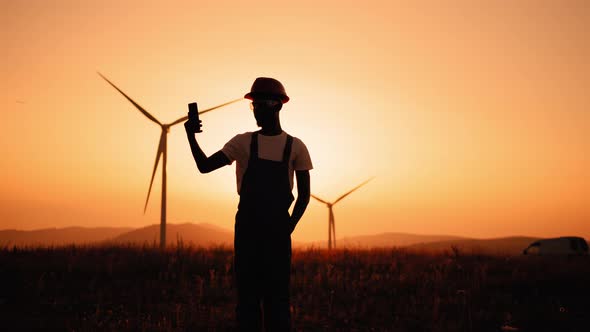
331	222
162	151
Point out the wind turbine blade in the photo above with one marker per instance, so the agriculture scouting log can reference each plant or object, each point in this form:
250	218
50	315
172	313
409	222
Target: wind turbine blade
319	199
141	109
218	106
353	189
184	118
158	155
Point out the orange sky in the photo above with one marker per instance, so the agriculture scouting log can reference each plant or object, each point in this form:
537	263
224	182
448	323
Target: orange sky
473	115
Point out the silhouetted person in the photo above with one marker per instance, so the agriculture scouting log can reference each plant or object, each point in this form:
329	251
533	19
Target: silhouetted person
265	163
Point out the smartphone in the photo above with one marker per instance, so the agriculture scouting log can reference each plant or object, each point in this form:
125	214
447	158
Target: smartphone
193	116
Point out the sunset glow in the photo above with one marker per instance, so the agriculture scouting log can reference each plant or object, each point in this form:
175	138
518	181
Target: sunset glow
473	117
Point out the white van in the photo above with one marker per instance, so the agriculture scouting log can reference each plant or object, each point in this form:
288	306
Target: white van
570	245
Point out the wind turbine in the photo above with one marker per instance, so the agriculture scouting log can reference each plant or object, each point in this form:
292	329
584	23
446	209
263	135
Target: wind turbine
162	152
331	222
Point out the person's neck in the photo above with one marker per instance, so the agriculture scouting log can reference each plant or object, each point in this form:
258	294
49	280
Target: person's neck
271	130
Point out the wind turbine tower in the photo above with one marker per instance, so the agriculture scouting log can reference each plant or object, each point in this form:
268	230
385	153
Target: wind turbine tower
331	221
163	153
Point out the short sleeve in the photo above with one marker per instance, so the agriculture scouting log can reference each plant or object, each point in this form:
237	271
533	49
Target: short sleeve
302	160
234	149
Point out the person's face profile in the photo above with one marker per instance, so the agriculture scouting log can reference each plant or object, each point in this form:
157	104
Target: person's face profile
264	109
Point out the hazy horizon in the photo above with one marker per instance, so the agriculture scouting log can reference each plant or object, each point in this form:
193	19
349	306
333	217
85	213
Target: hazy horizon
208	236
474	117
131	228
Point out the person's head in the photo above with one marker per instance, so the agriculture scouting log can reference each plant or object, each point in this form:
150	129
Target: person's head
268	96
266	110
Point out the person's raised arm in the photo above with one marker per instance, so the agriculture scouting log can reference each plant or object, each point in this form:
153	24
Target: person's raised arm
303	193
204	164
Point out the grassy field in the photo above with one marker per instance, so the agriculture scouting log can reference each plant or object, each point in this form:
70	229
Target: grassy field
188	289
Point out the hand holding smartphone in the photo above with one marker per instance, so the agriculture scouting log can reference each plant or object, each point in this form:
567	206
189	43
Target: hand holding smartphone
193	117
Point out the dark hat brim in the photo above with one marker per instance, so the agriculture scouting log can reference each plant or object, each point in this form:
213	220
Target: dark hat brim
283	98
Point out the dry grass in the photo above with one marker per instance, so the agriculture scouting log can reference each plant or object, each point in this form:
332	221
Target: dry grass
191	289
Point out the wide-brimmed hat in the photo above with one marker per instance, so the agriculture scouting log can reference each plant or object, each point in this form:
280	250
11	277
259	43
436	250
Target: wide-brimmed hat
266	86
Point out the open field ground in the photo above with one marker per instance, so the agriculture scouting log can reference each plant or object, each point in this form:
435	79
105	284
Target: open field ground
188	289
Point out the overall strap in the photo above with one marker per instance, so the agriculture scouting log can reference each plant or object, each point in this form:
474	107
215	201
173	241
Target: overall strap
254	146
287	152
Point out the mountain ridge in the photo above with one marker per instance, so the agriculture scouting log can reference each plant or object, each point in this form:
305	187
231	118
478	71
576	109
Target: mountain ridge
207	235
59	236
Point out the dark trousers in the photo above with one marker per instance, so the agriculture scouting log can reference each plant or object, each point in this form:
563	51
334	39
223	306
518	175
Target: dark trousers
262	248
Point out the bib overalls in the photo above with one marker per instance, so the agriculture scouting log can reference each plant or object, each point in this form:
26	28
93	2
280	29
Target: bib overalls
262	243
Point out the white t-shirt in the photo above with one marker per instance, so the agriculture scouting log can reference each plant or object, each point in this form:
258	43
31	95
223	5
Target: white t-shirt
270	148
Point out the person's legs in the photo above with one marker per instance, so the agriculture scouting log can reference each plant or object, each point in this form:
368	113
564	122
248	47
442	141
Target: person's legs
247	266
277	263
248	311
